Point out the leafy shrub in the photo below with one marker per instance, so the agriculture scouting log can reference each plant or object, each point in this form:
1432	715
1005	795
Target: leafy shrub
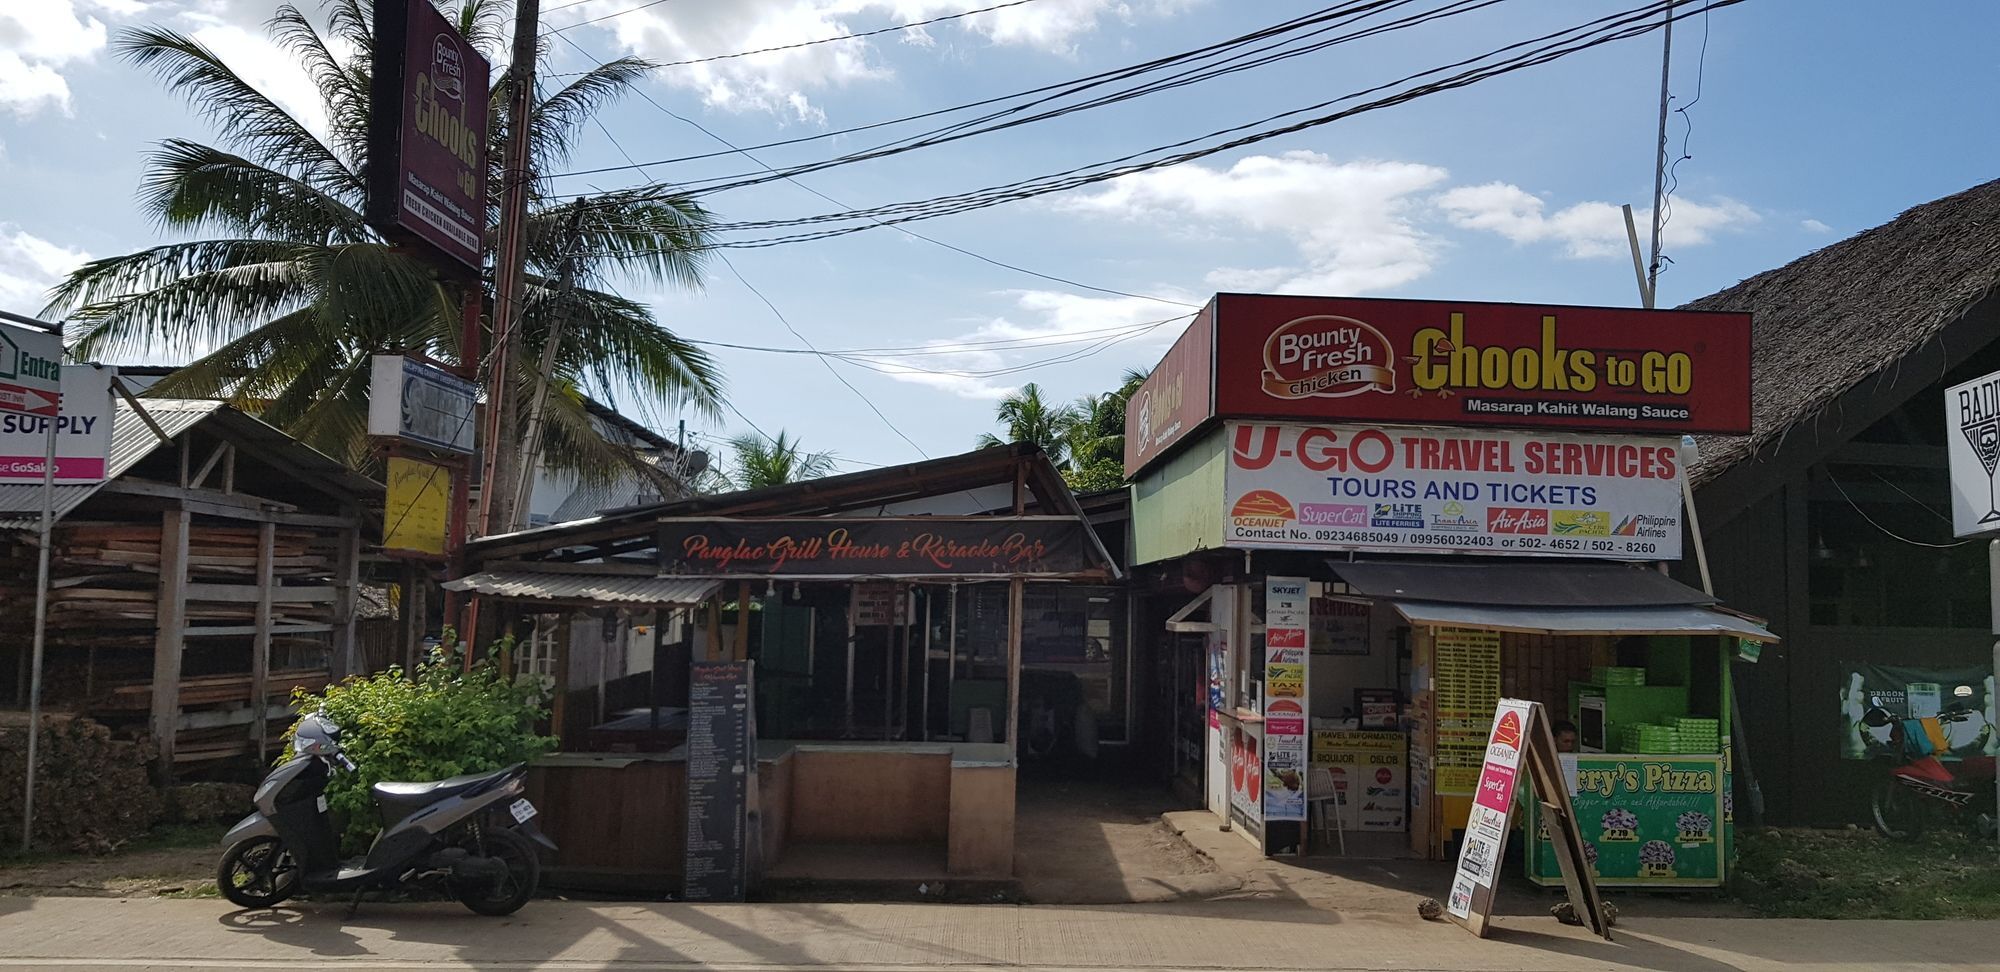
443	722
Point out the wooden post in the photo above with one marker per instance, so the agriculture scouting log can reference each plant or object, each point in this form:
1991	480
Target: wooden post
1015	588
413	601
559	706
171	637
742	650
347	577
260	647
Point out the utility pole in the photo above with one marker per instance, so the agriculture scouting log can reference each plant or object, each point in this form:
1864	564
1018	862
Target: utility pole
531	437
500	459
1660	159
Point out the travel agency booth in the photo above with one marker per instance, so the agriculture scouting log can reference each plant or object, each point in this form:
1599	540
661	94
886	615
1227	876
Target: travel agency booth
1364	522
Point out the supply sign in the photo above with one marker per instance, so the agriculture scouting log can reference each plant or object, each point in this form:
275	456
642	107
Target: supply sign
1358	487
83	432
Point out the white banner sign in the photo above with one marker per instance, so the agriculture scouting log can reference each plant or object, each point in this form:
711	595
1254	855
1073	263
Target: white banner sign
1972	445
420	403
1358	487
83	432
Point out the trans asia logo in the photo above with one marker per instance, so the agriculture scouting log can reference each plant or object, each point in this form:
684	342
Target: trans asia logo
1517	519
1262	509
1643	525
1398	516
1581	523
1333	514
1453	519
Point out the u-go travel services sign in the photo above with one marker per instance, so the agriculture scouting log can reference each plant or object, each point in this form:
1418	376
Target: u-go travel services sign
1359	487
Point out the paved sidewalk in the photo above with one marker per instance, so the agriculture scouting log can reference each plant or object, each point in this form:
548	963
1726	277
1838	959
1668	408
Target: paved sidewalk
94	934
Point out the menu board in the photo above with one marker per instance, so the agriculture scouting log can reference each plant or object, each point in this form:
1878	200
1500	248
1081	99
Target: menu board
721	781
1646	821
1285	700
1370	773
1468	687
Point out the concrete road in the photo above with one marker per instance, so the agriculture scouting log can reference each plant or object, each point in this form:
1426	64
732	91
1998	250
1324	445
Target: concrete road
110	934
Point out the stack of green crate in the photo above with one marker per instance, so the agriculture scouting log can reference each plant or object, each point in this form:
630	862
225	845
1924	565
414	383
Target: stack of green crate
1618	676
1647	738
1699	735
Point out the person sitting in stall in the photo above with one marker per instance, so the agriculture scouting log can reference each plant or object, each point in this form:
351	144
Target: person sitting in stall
1565	731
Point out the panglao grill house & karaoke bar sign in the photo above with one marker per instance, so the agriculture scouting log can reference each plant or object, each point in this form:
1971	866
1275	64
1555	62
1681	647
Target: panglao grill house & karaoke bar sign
427	132
1493	491
1419	362
928	546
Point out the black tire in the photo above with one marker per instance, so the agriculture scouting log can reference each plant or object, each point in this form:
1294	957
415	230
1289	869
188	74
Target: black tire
1898	810
258	872
524	873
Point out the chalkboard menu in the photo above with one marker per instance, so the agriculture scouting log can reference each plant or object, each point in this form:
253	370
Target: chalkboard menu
721	782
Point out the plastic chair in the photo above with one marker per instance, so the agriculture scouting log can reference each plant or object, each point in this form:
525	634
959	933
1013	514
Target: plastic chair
1321	790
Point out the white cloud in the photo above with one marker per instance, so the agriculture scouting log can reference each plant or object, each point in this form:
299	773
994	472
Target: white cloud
270	69
1059	325
783	82
29	266
1585	229
1814	226
1350	222
37	39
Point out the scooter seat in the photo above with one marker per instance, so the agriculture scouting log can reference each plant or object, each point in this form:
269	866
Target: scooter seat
406	793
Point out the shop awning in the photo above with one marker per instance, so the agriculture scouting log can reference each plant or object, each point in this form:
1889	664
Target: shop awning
1545	598
587	589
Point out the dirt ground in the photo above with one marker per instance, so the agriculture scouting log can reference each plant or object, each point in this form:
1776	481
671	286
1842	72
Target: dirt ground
173	862
1103	842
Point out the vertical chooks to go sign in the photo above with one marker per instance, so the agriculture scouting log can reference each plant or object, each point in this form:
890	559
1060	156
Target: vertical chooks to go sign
1286	717
427	132
1520	744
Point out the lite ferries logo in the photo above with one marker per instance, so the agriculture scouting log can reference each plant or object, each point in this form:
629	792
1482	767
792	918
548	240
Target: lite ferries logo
1327	357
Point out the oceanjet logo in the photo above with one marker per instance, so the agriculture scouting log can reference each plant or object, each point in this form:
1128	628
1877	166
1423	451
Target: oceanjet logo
1262	509
1327	357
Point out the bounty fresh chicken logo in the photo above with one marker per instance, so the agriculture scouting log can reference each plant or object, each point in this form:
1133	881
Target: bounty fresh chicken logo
1327	357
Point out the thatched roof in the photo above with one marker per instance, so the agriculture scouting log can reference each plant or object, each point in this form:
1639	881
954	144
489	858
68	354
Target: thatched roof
1831	319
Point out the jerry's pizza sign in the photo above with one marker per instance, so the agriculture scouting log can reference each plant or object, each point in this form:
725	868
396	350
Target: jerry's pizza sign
1448	363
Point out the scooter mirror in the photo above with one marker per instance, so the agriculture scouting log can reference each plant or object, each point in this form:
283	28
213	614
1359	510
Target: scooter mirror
1962	692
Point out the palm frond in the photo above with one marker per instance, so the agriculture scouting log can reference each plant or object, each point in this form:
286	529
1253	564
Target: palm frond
190	186
250	368
616	345
189	310
574	443
242	115
650	231
557	120
343	88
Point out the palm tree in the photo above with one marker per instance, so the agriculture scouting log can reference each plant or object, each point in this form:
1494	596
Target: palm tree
1028	417
775	462
292	291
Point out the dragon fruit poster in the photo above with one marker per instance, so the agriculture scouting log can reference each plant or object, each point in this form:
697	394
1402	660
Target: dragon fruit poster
1645	821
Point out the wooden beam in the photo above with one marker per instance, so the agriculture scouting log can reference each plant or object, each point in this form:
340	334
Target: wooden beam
170	637
413	621
346	578
252	593
742	650
229	470
242	630
208	465
1015	589
260	646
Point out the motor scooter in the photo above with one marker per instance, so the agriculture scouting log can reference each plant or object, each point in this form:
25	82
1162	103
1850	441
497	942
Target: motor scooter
1920	786
472	836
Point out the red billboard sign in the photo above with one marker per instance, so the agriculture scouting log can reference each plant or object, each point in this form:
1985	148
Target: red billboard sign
427	132
1426	362
1175	398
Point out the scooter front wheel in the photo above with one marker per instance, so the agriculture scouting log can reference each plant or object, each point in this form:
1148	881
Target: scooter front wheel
259	872
1899	811
506	895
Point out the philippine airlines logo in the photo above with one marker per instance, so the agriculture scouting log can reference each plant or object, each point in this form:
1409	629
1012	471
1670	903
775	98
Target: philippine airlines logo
447	69
1262	508
1517	519
1327	357
1643	525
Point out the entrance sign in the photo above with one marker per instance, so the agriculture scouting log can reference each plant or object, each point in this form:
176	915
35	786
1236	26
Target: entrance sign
1358	487
1972	446
940	546
420	403
1286	705
31	371
83	432
427	132
1519	742
722	822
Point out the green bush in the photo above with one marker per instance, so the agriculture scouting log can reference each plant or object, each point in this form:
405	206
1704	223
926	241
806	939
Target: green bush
443	722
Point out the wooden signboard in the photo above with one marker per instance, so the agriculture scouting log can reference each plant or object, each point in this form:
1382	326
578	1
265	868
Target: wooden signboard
1520	742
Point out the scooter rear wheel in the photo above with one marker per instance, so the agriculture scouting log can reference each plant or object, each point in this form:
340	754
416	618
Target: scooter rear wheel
524	872
259	872
1899	811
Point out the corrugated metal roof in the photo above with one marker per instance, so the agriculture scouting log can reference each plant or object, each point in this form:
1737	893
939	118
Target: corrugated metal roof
131	440
1664	619
536	585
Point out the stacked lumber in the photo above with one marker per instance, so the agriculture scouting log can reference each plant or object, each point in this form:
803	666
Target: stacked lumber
210	690
211	549
91	790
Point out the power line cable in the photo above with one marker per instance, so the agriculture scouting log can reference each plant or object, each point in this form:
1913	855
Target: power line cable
827	40
1687	134
598	20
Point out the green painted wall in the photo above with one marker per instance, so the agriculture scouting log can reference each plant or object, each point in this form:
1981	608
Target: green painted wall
1177	507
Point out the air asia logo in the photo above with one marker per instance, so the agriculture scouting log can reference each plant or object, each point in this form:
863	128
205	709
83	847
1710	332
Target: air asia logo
1643	525
1517	519
1327	357
1582	523
1398	516
1453	519
1507	732
1333	514
1262	508
447	69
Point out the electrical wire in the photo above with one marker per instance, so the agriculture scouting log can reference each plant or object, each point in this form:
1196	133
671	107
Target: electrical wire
1891	534
1687	134
825	40
599	20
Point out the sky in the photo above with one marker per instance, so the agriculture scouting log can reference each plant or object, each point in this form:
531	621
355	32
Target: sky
1802	122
